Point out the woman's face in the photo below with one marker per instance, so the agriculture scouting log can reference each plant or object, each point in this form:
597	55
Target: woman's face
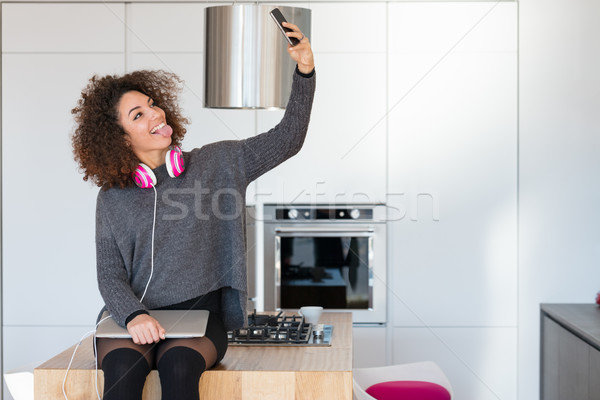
140	119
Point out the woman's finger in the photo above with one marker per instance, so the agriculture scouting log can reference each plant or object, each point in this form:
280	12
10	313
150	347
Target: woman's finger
297	33
135	337
145	330
150	335
140	335
291	26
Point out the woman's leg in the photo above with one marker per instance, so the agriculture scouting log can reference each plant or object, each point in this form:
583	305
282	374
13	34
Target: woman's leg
181	362
125	366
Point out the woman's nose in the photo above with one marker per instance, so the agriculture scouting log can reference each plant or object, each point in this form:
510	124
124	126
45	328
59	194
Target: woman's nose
154	112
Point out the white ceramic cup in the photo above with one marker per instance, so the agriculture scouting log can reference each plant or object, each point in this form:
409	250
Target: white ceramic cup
311	314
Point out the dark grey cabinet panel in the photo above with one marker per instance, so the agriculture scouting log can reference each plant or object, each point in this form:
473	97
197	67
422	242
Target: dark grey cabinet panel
573	367
594	374
570	355
550	347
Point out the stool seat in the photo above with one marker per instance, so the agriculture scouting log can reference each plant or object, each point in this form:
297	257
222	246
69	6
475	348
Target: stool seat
418	380
408	390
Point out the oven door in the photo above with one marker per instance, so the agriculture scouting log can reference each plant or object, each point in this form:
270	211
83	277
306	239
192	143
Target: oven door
340	268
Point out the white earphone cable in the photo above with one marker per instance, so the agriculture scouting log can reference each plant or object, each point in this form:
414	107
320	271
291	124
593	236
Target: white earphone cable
152	249
73	357
103	319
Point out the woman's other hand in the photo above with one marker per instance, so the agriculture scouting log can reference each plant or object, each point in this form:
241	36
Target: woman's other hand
302	52
145	330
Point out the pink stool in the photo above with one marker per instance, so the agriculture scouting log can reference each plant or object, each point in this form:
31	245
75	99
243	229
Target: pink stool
415	381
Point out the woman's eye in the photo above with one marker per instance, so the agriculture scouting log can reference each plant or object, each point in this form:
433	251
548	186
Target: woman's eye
137	116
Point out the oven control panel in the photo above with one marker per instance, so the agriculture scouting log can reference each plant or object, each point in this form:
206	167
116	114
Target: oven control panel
314	214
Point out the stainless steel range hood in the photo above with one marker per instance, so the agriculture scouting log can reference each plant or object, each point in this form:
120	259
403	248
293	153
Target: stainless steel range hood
246	62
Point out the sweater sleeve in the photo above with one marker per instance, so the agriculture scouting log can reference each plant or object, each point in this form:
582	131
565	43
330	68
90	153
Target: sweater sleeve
113	280
264	152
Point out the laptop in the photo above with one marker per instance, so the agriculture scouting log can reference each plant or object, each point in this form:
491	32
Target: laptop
177	323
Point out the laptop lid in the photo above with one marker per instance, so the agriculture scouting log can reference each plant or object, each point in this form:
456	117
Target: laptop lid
177	323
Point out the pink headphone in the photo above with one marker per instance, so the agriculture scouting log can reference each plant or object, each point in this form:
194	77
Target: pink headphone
145	178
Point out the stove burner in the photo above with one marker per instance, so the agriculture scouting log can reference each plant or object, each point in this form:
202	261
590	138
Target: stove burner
276	329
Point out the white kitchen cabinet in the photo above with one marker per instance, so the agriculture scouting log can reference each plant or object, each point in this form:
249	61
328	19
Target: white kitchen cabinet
449	274
344	158
437	27
49	275
60	27
369	345
351	28
453	168
479	362
167	27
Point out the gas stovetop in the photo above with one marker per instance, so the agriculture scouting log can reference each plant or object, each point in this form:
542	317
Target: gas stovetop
280	330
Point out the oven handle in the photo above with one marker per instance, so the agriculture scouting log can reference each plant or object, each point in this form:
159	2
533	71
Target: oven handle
303	229
277	272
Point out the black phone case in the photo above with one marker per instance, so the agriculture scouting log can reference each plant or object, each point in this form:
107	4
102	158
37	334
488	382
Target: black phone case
279	19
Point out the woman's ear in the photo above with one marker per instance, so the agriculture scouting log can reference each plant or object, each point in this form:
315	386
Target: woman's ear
126	138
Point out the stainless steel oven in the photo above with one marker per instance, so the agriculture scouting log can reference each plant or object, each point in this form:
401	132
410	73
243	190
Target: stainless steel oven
332	256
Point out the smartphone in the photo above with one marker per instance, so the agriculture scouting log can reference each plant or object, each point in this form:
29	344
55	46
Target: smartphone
279	20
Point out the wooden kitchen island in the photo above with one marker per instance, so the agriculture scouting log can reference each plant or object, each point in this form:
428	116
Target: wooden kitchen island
246	373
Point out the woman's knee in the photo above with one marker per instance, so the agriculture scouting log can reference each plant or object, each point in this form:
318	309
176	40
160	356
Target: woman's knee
181	363
105	346
120	361
125	372
179	370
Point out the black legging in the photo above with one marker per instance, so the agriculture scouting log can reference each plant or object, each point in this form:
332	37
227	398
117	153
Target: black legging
180	362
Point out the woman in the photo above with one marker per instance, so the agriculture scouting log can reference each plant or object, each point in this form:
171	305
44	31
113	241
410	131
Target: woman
178	243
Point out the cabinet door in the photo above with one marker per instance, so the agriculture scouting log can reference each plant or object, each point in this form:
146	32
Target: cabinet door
452	159
566	363
167	27
573	367
369	345
549	372
594	374
59	27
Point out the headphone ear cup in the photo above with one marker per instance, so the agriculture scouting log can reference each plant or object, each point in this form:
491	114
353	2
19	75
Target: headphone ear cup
143	176
174	162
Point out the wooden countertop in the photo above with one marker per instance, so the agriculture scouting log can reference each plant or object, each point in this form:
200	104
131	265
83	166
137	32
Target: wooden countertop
246	372
581	319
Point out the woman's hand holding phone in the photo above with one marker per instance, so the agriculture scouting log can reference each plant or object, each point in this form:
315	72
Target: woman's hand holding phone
302	52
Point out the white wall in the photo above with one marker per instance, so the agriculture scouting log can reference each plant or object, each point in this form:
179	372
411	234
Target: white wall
559	162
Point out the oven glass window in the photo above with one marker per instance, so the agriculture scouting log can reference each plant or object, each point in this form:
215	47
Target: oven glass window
332	272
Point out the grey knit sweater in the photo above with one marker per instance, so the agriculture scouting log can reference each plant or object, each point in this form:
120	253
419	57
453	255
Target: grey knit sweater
199	239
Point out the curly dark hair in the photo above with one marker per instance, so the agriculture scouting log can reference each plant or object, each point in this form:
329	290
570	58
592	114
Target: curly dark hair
99	143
